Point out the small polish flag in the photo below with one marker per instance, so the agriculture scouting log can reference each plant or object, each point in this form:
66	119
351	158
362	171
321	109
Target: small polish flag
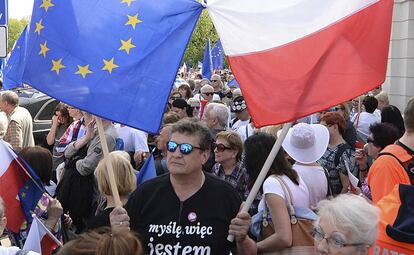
40	239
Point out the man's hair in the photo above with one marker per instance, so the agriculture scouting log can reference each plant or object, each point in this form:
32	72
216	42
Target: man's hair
1	208
384	134
196	128
219	111
123	172
350	214
409	116
383	97
206	87
10	97
370	103
234	141
334	118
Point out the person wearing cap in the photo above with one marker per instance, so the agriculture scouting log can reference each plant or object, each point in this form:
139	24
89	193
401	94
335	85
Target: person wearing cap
195	106
216	83
207	94
306	144
242	123
180	107
239	107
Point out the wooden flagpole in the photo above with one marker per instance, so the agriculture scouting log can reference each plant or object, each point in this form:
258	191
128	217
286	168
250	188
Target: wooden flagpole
265	169
109	168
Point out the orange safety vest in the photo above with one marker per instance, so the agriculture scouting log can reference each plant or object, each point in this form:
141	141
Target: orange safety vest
396	226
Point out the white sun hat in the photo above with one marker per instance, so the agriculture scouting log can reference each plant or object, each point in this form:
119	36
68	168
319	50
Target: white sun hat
306	143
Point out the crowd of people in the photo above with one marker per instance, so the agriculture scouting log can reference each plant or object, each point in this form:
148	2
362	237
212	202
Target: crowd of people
342	183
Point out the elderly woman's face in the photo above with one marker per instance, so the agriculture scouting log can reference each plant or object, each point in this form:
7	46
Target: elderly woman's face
331	240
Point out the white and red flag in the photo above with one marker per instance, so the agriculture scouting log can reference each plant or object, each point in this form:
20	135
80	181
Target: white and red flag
40	239
293	58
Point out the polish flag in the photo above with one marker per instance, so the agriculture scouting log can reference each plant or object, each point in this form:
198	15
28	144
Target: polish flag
11	180
293	58
40	239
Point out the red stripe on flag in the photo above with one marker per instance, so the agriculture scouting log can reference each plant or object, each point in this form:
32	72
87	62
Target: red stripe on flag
47	245
10	182
323	69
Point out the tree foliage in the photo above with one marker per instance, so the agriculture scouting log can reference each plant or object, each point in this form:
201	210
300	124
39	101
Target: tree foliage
15	29
204	29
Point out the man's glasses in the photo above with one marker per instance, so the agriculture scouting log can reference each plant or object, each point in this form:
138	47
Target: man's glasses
214	80
209	94
185	148
333	241
221	147
339	108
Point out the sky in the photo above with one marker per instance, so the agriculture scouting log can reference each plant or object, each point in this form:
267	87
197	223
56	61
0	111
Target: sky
20	8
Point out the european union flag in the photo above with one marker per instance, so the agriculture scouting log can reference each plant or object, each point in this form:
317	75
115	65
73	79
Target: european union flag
115	58
207	69
217	56
15	64
147	171
233	83
31	191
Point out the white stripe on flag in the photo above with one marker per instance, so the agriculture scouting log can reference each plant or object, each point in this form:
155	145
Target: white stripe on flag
6	156
266	24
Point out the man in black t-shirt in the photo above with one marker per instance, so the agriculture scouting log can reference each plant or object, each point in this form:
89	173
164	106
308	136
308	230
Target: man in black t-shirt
187	211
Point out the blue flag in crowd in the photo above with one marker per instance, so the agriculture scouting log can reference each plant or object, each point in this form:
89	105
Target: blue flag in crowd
147	171
15	64
217	56
233	83
207	69
115	59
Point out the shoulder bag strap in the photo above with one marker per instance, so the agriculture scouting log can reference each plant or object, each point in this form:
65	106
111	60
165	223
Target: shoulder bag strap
408	166
288	194
330	193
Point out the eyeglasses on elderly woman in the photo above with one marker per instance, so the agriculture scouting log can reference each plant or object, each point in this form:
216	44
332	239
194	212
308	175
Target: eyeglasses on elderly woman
335	241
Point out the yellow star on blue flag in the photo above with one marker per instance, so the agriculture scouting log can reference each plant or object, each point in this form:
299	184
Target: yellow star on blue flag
116	59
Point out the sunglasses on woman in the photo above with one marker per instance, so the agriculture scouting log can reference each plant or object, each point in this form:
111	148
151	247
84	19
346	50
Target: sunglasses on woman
221	147
208	94
185	148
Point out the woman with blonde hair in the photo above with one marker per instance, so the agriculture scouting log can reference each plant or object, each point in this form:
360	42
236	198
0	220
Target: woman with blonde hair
125	181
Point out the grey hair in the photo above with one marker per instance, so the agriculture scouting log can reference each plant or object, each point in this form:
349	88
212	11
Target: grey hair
1	208
219	111
383	96
206	87
10	97
195	128
351	214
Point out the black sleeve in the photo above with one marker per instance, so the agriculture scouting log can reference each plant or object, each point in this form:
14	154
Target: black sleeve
133	207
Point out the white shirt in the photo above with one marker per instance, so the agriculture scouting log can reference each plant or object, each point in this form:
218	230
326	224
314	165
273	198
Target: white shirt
365	121
315	179
3	124
13	250
245	131
134	139
239	123
215	97
300	193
